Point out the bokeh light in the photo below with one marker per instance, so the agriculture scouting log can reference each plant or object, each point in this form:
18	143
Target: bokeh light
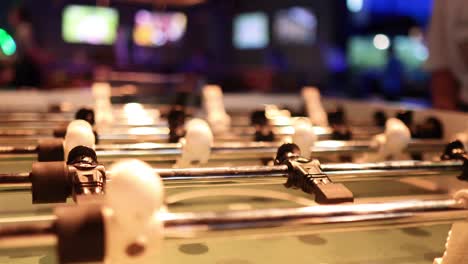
158	28
354	6
7	43
381	42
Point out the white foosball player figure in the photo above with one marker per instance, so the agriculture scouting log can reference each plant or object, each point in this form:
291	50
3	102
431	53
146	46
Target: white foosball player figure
314	108
136	114
455	247
79	133
213	104
391	143
277	116
102	103
196	145
304	136
134	199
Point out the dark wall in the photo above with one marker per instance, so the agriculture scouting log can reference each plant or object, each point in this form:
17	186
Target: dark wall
209	31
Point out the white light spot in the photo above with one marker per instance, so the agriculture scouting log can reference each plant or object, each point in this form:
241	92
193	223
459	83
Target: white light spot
381	42
354	6
421	53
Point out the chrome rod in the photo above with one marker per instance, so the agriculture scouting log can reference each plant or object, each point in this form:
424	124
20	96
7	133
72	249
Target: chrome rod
252	175
156	133
27	231
321	147
275	222
224	143
223	173
22	177
18	150
314	219
256	150
340	172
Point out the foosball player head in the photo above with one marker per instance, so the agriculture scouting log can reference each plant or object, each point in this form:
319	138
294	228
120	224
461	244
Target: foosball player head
258	117
304	136
263	129
337	116
87	115
197	143
176	121
380	118
431	128
406	117
286	152
456	151
135	197
341	132
79	133
82	154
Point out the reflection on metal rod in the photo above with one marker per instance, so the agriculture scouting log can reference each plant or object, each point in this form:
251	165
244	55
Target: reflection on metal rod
252	175
222	151
247	150
21	177
27	231
273	222
314	219
340	172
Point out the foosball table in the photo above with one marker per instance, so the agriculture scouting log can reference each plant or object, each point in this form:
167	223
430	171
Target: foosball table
241	179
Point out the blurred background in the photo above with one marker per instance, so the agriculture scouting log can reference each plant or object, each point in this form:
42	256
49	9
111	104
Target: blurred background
347	48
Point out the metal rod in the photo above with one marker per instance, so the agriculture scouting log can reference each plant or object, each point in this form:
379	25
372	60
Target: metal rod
160	132
30	229
314	219
47	127
30	123
15	181
21	177
18	149
251	175
13	119
27	231
395	165
17	133
337	172
223	173
284	221
256	150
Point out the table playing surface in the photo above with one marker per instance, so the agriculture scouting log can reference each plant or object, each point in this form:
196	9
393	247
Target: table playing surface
416	245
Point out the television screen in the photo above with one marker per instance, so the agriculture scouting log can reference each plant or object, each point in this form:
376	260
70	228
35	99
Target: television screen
362	53
296	25
410	51
250	31
89	24
158	28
